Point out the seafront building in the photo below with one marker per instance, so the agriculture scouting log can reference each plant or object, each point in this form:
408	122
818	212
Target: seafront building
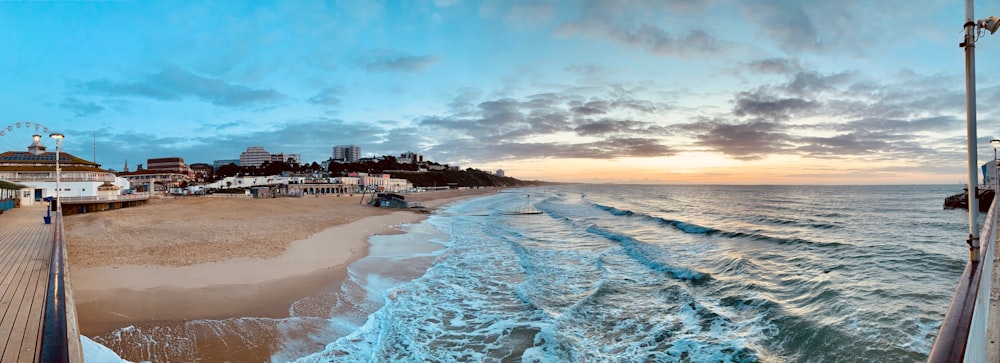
36	170
162	173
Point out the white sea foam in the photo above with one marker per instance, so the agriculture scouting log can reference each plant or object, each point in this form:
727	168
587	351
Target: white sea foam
94	352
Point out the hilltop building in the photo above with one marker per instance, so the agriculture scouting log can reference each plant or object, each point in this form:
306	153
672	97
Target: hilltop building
220	163
499	172
36	170
347	153
255	156
287	158
410	157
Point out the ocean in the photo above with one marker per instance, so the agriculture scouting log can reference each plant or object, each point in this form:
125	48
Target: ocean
638	273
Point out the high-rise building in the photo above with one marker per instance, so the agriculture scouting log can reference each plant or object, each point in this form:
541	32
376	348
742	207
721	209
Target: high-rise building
347	153
255	156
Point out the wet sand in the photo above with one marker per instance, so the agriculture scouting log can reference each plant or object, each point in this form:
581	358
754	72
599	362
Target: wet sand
175	261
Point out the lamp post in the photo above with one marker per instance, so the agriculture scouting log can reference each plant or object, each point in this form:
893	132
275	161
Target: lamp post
59	138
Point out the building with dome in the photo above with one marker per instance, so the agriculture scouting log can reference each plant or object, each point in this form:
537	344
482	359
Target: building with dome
36	169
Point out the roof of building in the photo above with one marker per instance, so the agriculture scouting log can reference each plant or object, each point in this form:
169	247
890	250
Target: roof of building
47	157
27	161
8	185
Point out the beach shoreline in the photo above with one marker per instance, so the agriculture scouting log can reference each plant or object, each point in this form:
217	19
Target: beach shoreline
111	295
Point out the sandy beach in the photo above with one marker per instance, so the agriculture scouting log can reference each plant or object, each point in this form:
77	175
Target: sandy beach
181	259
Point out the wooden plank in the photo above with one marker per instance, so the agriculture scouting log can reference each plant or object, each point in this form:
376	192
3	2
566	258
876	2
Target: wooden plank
25	245
11	300
35	302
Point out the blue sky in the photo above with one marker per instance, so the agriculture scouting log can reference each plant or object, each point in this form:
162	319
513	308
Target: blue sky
683	91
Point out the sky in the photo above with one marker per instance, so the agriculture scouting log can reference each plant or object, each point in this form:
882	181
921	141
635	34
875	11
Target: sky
617	91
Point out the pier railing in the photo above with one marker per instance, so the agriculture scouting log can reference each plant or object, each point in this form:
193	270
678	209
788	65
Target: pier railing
60	331
106	198
962	337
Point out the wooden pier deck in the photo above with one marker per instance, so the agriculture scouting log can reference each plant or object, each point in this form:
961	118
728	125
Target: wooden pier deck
25	250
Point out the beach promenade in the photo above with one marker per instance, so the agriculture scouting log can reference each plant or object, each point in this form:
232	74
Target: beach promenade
26	244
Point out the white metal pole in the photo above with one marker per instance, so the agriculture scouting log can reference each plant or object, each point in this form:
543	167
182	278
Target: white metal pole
58	179
970	125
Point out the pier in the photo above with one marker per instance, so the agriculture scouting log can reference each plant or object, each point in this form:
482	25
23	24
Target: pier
37	315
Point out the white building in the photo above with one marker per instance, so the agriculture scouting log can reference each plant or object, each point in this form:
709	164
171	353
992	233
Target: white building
499	173
255	156
36	168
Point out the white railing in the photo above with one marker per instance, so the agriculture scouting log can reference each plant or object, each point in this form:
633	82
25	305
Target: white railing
106	198
227	195
975	347
62	178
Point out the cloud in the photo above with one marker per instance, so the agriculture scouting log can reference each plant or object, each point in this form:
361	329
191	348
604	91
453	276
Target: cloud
621	22
743	141
81	108
390	61
774	66
174	83
760	103
326	97
510	128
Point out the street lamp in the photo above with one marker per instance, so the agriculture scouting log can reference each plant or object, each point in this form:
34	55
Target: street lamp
59	138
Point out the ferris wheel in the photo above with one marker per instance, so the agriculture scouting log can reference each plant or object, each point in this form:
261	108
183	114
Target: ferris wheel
18	136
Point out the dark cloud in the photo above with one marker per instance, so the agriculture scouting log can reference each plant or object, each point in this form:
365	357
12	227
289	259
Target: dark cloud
618	127
650	37
327	97
470	150
894	126
174	83
743	141
506	128
774	66
857	143
616	21
812	83
784	21
81	108
760	103
390	61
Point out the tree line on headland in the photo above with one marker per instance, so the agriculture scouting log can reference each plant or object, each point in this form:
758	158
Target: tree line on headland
421	175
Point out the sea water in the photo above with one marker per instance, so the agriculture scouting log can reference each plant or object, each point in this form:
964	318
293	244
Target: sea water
610	273
673	273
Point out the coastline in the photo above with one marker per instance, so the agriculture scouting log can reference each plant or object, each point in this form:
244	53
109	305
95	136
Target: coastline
115	295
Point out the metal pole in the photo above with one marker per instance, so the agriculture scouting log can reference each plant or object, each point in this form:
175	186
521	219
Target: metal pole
970	125
58	179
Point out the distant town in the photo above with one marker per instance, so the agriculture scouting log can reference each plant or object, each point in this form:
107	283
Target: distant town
28	177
